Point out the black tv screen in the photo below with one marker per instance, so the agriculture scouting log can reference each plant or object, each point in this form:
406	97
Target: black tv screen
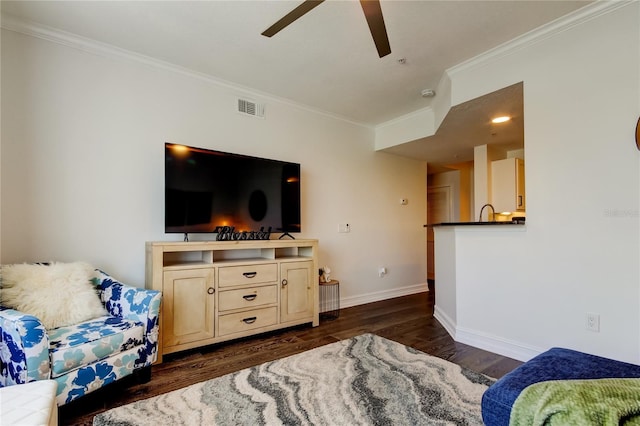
206	189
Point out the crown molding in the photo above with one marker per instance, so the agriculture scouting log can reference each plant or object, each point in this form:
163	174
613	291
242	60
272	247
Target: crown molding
578	17
584	14
592	11
419	113
91	46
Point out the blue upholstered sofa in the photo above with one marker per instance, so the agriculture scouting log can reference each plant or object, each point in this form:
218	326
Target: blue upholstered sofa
86	356
556	364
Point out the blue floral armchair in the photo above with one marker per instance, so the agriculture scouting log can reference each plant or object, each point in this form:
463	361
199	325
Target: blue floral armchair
86	356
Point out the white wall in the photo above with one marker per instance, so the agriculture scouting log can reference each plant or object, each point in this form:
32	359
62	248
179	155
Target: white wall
580	249
413	126
82	173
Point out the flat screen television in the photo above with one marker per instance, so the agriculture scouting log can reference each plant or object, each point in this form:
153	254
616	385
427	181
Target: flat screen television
206	190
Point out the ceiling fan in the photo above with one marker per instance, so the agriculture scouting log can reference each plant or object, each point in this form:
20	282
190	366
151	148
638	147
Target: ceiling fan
372	11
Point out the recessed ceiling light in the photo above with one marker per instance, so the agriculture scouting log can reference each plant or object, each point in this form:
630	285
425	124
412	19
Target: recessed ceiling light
502	119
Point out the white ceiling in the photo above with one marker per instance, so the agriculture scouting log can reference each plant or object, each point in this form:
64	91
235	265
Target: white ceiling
468	125
326	60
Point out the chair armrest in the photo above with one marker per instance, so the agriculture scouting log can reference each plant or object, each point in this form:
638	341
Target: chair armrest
136	304
24	348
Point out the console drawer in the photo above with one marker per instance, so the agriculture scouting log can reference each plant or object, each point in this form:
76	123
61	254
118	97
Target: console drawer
248	320
229	276
247	298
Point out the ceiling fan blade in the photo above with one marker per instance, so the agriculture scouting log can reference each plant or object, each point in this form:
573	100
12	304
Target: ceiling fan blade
373	13
291	17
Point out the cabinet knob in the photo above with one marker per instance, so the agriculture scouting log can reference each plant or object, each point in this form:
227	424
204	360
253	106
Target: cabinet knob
284	283
211	290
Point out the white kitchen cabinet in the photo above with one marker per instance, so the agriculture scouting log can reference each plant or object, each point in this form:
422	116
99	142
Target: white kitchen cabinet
507	185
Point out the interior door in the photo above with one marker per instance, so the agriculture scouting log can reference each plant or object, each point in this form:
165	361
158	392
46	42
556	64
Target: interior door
438	211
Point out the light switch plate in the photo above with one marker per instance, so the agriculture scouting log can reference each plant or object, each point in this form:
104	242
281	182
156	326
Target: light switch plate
344	228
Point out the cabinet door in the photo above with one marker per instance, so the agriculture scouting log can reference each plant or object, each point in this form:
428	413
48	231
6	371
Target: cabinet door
188	306
521	204
296	293
507	185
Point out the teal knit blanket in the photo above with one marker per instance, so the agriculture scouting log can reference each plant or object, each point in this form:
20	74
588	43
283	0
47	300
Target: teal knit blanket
578	402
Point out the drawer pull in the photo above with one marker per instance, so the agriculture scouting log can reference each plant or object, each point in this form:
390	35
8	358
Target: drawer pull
250	297
250	320
250	274
284	283
211	290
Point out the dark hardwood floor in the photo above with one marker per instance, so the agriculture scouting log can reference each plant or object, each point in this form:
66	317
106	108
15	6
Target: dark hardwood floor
408	320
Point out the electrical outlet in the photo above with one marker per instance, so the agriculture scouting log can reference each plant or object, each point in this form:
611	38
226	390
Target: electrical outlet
382	271
593	322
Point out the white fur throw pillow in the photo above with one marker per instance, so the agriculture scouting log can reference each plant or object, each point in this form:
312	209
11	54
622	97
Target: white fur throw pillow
58	294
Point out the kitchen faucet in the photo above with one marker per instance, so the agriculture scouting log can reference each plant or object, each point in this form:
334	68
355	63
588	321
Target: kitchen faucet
493	213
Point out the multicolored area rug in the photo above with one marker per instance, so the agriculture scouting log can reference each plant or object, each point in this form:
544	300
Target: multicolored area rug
365	380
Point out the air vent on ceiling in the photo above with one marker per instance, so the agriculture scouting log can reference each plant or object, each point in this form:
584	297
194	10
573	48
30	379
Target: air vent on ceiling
251	108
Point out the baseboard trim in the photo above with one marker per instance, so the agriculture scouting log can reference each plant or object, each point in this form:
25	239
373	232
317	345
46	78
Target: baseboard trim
481	340
445	320
495	344
486	341
377	296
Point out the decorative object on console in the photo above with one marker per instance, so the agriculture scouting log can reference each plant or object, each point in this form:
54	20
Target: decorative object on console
326	274
229	233
87	355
